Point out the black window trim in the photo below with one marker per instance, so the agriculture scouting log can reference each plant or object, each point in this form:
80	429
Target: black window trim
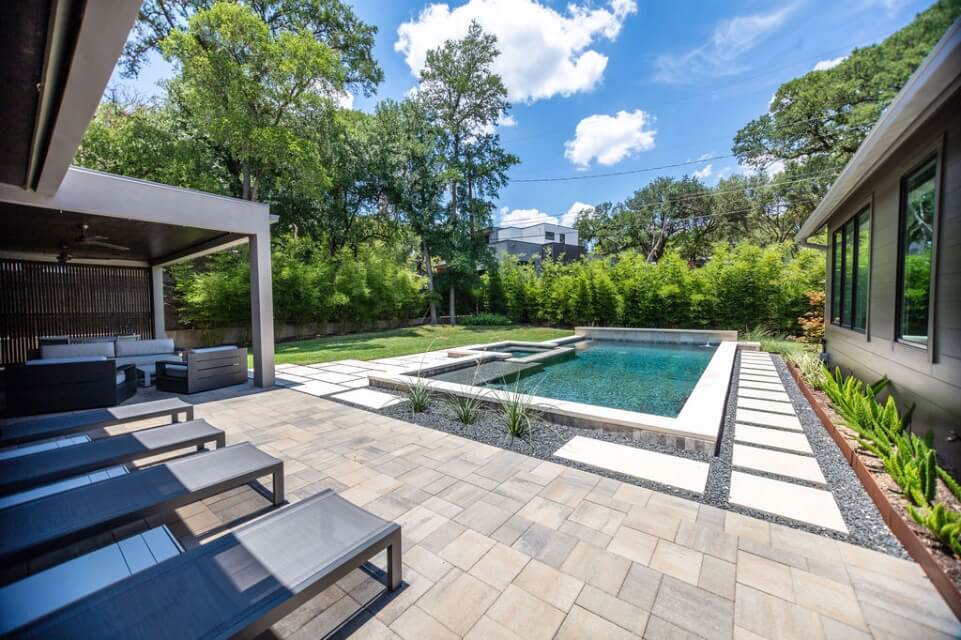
844	314
934	157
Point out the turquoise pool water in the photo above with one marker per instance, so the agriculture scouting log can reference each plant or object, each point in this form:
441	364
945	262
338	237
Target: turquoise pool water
645	377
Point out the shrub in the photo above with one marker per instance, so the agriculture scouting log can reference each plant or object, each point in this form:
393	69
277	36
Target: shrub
812	322
810	366
485	319
420	395
517	413
467	408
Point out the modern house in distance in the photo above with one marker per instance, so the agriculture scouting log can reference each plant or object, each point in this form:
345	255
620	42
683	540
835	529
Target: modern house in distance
893	219
531	243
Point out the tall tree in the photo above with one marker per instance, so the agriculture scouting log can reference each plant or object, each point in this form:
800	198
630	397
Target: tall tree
413	146
239	85
331	22
460	91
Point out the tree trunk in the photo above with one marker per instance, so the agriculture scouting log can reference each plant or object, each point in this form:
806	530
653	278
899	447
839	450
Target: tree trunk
430	281
245	193
453	311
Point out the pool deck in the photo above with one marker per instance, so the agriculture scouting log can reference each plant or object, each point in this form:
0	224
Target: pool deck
498	545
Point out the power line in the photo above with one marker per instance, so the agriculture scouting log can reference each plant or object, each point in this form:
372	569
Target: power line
592	176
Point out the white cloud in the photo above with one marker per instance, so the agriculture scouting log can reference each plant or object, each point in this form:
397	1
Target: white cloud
610	139
771	170
569	218
719	55
526	217
543	52
824	65
506	121
706	172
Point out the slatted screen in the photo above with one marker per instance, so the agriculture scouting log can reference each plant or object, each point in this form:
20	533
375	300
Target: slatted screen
53	299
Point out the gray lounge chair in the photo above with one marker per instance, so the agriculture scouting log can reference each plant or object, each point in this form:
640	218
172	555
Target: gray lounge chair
238	585
24	472
60	519
20	430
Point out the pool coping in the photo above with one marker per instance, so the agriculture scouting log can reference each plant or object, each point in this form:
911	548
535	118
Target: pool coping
696	427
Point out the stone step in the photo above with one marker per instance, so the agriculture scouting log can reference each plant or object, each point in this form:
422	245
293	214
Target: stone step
761	394
639	463
760	377
369	399
754	384
767	368
749	434
771	406
767	419
796	502
778	463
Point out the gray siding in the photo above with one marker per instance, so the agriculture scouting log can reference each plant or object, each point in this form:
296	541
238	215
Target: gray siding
931	378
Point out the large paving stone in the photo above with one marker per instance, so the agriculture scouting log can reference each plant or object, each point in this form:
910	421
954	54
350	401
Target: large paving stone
813	506
777	462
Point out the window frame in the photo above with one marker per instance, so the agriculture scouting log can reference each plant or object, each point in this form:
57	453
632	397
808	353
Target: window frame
846	312
549	235
935	158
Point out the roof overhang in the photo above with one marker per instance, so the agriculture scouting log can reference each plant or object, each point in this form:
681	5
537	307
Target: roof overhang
160	224
55	61
934	82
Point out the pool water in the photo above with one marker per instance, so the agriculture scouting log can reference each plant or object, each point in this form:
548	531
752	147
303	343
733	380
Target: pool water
644	377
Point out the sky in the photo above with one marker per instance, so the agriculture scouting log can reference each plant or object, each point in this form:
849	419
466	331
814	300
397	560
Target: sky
610	86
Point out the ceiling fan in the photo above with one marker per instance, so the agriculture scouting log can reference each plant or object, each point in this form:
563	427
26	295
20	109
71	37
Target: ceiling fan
97	241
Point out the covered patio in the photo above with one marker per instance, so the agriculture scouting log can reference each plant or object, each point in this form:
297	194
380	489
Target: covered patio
83	252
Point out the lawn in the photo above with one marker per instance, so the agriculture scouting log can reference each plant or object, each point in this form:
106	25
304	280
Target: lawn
402	342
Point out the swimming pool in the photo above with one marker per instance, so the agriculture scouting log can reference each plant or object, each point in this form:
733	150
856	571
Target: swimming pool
645	377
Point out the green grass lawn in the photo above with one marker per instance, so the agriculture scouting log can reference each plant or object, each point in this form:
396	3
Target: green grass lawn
402	342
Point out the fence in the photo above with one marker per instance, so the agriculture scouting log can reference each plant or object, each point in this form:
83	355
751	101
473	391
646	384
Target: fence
52	299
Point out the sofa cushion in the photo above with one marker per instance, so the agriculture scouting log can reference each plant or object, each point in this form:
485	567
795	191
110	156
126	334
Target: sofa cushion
144	347
66	360
226	347
121	377
104	349
148	358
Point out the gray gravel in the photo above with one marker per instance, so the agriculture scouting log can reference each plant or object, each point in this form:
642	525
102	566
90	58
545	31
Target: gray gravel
860	515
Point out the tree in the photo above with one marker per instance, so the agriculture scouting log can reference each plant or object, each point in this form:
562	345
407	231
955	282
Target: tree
413	149
241	85
826	114
462	94
330	22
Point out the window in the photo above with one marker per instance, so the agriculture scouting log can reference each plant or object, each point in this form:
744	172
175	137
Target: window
915	254
563	239
850	272
548	235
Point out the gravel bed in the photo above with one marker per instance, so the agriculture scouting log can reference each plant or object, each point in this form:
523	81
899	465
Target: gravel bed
865	526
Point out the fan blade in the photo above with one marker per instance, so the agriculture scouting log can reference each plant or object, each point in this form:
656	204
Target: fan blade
107	245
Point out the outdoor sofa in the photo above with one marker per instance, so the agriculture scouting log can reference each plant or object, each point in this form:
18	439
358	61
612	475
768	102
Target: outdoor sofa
135	352
236	586
204	369
23	472
66	384
17	431
54	521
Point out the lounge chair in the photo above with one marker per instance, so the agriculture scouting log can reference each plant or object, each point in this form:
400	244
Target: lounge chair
238	585
20	430
24	472
60	519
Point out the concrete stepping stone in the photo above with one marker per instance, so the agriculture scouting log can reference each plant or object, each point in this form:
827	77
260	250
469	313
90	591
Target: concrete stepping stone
369	399
754	384
770	406
772	438
804	504
317	388
767	419
639	463
761	394
777	462
760	377
747	357
758	368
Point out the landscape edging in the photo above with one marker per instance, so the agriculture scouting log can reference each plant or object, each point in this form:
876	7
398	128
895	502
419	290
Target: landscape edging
891	516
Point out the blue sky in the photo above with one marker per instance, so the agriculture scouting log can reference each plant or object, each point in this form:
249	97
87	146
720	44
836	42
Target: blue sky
602	86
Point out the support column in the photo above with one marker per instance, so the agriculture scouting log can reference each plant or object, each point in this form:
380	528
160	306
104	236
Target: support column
262	308
157	302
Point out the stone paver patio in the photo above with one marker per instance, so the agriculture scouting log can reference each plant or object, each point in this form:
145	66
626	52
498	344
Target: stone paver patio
501	545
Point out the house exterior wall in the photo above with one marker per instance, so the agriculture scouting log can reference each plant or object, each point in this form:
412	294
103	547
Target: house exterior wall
929	377
536	234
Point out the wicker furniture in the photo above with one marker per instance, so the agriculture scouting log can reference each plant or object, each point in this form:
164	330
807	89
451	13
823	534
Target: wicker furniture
203	369
67	384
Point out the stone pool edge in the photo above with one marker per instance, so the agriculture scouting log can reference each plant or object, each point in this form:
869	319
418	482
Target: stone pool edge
696	427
